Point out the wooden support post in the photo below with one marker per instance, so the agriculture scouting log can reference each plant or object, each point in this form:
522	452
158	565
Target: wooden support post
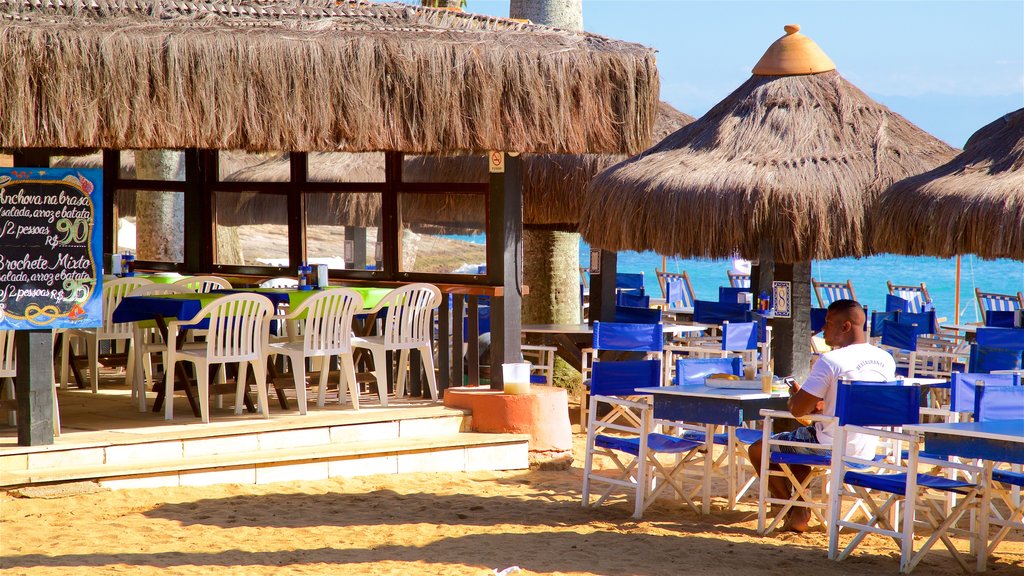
34	387
505	264
602	288
357	236
198	220
791	347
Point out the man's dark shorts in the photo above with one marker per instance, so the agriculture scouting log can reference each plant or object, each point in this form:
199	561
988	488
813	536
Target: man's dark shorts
805	434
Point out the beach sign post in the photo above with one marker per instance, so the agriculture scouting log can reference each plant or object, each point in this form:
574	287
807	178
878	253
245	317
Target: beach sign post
50	276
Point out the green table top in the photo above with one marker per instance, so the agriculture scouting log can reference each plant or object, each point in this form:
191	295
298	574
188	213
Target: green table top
371	295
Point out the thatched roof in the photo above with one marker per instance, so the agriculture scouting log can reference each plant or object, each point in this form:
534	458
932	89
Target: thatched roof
553	184
788	160
313	75
974	204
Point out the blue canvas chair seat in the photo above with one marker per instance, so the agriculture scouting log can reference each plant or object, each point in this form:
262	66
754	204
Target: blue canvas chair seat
1008	477
745	436
897	483
628	437
662	443
880	410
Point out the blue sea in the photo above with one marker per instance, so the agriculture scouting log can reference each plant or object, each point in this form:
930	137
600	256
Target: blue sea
868	275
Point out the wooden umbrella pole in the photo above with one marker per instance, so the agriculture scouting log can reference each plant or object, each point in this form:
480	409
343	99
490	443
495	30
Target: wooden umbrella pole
956	296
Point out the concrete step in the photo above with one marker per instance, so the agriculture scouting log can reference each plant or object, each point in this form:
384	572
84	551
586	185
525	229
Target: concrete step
444	453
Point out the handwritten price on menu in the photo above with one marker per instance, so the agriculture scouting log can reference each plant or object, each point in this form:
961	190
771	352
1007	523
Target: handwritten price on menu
49	253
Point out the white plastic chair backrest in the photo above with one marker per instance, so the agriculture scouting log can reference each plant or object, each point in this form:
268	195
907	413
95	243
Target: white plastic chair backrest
155	289
328	324
410	313
239	327
204	284
113	292
281	282
8	366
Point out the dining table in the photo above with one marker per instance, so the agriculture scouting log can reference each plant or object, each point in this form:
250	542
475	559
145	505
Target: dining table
159	309
732	408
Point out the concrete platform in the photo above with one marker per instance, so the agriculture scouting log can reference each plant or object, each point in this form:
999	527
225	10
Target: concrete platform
105	439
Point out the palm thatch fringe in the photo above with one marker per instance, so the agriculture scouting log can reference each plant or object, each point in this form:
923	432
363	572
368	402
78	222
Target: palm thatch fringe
974	204
313	75
788	161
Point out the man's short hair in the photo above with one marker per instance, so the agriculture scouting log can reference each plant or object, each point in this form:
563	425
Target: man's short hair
844	306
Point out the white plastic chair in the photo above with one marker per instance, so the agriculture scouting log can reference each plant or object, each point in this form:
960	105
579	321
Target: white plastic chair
280	282
407	326
239	328
113	292
8	372
147	340
327	331
204	284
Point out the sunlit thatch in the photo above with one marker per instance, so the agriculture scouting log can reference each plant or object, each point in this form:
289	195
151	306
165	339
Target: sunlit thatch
313	75
974	204
791	161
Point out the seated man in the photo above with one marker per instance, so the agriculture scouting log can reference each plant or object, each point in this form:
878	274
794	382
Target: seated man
852	358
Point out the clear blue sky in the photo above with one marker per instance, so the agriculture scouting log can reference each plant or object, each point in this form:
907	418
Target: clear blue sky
949	67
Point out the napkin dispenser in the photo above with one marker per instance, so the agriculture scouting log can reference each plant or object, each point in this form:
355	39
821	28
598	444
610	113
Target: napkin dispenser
321	276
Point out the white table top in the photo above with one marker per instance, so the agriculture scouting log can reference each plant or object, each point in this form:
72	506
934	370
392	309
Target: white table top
708	392
1002	430
682	310
966	328
919	381
588	329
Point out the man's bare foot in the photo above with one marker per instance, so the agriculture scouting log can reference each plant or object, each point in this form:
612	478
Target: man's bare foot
797	520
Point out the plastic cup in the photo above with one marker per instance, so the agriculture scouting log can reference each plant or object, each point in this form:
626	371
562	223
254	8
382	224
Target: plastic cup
516	377
749	371
766	383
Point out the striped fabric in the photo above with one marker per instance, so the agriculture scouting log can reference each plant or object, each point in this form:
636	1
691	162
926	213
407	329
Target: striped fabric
829	292
914	297
737	280
676	289
1000	302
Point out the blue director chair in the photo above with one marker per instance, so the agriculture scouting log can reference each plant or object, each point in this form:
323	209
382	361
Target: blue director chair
1006	509
878	410
997	349
618	337
633	443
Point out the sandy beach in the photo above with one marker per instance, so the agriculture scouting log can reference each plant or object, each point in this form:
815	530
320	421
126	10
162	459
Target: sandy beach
465	523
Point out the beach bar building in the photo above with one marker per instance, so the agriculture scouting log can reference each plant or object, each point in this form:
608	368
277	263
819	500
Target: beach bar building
229	85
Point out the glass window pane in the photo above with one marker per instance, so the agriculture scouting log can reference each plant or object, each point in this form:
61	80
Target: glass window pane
151	224
345	167
238	166
443	233
446	169
341	230
252	229
167	165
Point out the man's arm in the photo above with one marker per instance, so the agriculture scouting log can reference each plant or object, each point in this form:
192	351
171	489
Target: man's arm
802	402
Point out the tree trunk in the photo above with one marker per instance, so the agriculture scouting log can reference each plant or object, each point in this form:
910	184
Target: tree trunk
551	262
160	216
565	14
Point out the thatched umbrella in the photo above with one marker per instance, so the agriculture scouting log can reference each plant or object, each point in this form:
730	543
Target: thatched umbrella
781	171
973	204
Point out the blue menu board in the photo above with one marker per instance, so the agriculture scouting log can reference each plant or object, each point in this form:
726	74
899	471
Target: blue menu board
51	248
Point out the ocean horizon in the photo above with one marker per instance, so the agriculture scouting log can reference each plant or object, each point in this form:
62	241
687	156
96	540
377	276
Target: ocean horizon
869	276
